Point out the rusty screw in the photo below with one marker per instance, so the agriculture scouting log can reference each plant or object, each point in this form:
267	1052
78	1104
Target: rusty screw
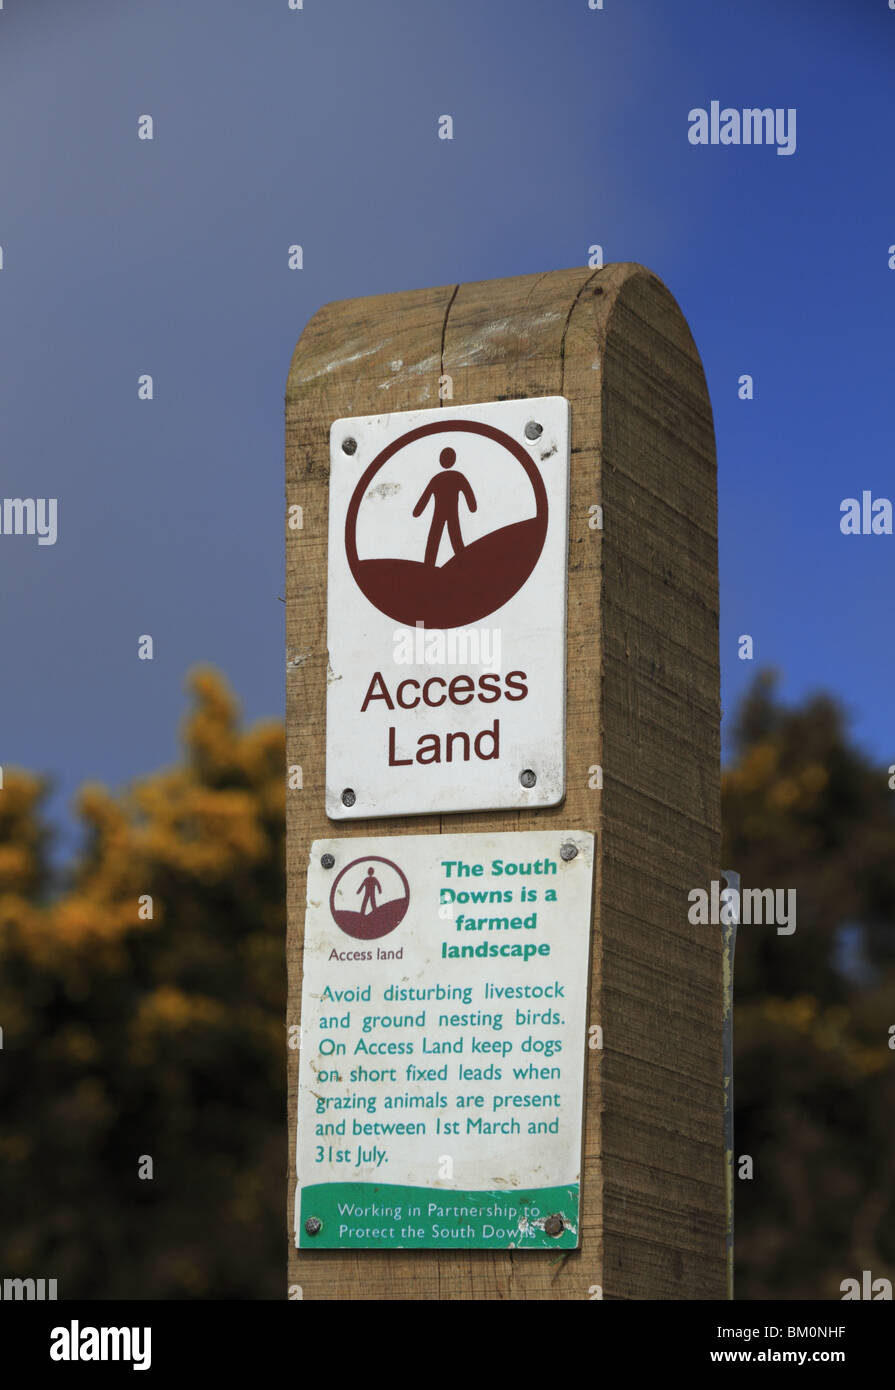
568	851
348	797
528	778
314	1225
554	1226
327	860
349	445
533	430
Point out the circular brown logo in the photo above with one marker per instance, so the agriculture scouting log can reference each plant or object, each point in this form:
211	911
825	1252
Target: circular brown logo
369	897
480	575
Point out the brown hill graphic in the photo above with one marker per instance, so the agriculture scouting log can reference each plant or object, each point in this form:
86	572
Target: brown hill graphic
473	583
369	925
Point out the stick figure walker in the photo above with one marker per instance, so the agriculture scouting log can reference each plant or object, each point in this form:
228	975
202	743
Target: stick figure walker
445	490
369	886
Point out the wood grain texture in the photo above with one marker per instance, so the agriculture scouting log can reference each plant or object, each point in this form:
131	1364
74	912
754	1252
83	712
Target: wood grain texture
643	702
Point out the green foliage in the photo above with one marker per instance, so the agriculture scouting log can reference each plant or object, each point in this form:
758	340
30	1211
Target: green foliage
126	1036
814	1078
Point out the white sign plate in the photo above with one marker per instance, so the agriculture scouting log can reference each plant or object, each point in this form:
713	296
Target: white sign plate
443	1041
446	627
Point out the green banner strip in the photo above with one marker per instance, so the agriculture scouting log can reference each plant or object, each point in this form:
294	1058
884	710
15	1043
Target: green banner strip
383	1216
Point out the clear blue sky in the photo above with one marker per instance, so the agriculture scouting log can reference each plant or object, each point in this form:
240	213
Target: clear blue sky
318	126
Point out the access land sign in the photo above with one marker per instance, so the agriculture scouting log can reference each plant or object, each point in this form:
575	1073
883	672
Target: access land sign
446	609
443	1041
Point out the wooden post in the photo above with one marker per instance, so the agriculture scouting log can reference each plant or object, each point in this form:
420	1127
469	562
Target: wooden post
643	715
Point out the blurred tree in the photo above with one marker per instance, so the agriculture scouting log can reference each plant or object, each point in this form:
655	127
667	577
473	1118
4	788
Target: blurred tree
129	1034
814	1078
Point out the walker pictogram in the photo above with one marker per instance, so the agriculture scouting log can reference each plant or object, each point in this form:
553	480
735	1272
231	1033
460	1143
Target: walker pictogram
445	491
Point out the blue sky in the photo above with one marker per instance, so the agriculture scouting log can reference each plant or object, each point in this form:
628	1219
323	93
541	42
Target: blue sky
318	126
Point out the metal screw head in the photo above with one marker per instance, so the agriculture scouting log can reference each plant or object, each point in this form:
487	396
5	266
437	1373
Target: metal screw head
349	445
348	797
568	851
327	860
528	778
554	1226
533	430
313	1225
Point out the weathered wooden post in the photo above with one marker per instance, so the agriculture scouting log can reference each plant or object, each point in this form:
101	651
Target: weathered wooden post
496	375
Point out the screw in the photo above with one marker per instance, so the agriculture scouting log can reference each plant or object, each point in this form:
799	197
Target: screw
327	860
568	851
349	445
528	778
533	430
554	1226
314	1225
348	797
